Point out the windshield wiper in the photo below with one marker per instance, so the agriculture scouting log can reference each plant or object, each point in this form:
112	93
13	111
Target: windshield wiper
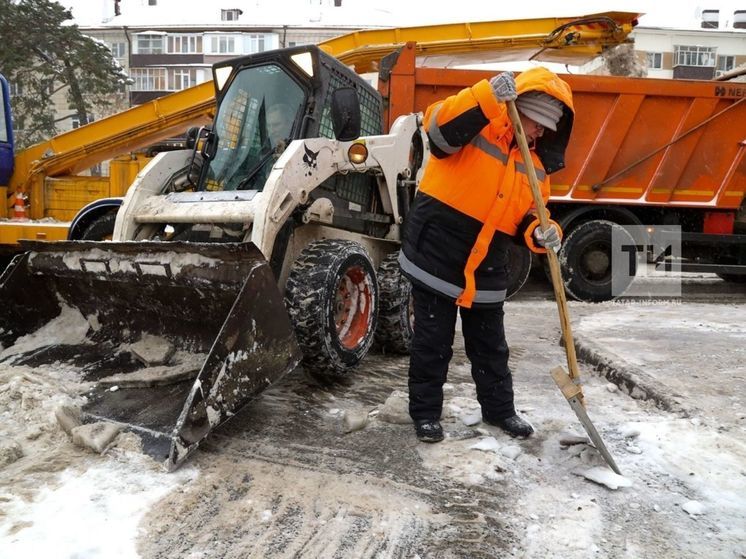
255	169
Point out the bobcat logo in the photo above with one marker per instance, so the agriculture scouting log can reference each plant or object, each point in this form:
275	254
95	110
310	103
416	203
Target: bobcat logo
310	157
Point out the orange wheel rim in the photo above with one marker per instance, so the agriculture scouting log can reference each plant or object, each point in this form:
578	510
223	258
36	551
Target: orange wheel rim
352	307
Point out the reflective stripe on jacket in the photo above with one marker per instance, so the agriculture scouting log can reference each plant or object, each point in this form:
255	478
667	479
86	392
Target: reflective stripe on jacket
478	174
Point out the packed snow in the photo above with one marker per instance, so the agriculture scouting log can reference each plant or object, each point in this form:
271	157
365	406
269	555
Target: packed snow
316	469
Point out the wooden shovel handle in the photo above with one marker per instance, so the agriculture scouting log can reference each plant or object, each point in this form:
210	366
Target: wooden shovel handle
554	267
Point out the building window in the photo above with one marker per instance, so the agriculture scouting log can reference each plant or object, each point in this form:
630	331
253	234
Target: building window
118	50
710	19
694	56
148	79
655	60
739	19
230	15
16	89
256	43
184	44
149	44
222	44
725	63
77	122
182	78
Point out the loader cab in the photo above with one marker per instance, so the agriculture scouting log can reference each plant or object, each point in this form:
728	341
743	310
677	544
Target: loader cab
267	100
6	134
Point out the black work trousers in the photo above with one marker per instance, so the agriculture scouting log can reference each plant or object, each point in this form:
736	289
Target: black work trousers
432	349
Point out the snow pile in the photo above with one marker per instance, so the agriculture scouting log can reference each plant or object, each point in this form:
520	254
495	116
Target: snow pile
69	327
57	501
28	400
93	513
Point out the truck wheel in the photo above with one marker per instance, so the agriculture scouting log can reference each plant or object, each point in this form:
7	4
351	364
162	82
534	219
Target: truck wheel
585	259
395	311
101	229
332	298
520	261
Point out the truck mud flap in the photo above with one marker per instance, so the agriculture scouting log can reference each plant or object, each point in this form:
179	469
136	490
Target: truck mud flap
175	338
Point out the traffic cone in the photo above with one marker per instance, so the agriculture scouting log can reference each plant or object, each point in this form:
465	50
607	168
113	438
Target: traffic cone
19	207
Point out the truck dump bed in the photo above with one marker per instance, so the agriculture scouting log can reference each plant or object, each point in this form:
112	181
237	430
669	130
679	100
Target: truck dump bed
635	140
650	141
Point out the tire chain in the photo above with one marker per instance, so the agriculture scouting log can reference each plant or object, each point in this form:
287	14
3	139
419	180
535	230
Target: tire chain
307	282
389	336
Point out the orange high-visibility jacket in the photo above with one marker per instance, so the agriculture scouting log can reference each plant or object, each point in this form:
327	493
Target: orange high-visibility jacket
477	171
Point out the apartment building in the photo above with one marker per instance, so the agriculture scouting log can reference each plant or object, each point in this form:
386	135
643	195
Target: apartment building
169	45
163	58
717	46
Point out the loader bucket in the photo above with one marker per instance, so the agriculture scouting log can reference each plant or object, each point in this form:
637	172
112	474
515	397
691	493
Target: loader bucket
213	311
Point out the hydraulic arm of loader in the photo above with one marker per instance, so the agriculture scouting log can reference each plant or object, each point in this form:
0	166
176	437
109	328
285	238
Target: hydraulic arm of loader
569	40
74	151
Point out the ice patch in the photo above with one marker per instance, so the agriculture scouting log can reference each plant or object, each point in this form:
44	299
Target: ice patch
487	444
693	508
606	477
471	419
511	451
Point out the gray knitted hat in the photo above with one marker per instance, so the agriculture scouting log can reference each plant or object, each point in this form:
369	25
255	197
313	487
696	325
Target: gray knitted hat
540	107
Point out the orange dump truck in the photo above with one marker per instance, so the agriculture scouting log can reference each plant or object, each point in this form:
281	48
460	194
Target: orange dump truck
645	152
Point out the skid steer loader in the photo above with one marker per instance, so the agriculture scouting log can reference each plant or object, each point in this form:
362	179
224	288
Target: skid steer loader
242	257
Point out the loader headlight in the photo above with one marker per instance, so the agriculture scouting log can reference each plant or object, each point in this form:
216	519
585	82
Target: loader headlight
357	153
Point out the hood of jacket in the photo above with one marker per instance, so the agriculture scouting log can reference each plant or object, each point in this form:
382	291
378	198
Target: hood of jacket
552	145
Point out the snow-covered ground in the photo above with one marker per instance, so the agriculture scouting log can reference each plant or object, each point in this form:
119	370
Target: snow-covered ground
285	479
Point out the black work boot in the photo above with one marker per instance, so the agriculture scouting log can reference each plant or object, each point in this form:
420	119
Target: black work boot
515	426
428	431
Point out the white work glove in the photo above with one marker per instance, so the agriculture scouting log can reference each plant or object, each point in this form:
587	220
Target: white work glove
503	86
550	239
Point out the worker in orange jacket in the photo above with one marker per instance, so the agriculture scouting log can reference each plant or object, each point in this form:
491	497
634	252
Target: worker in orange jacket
474	200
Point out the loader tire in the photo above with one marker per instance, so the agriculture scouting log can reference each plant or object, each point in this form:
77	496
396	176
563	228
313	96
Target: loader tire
395	311
585	261
100	229
332	299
